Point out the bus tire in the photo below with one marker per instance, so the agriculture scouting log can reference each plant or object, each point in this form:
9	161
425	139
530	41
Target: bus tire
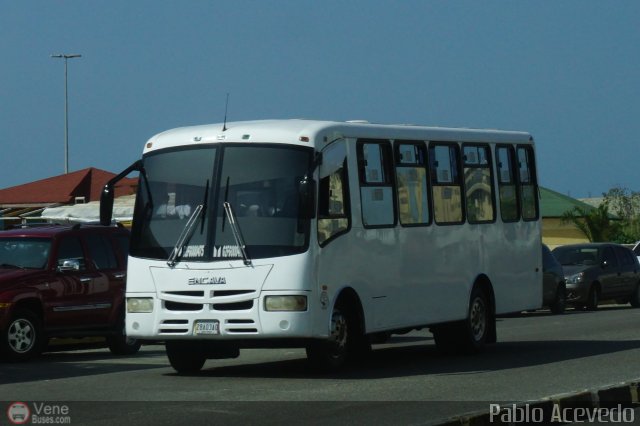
23	338
120	344
185	357
470	335
331	354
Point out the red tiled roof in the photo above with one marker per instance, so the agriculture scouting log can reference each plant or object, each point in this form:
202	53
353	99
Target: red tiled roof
64	189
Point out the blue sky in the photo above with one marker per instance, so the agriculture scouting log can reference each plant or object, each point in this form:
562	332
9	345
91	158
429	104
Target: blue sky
568	72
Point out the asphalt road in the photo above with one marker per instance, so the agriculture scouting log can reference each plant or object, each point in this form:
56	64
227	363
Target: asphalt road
406	382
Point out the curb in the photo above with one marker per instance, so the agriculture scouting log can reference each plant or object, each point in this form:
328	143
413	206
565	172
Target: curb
608	401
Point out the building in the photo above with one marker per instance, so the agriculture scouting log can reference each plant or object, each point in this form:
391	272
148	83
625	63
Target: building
27	202
555	231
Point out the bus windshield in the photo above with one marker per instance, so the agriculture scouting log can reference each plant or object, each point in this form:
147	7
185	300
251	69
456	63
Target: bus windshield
260	182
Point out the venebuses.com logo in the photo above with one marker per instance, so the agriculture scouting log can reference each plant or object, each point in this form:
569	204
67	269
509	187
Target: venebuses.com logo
20	413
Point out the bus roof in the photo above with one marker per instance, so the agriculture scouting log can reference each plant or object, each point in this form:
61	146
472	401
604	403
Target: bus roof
316	133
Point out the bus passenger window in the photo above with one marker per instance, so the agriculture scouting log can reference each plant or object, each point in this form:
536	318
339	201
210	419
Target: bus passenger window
446	184
527	182
411	178
333	194
507	184
376	183
478	184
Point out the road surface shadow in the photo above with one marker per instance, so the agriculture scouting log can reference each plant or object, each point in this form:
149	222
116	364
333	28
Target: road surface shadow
58	365
425	359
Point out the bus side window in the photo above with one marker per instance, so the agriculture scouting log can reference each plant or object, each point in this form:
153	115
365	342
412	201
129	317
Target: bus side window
334	213
527	181
478	184
376	183
446	183
411	178
509	204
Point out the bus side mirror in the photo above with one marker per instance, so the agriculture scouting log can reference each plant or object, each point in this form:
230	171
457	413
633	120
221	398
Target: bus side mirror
106	205
107	195
307	206
307	193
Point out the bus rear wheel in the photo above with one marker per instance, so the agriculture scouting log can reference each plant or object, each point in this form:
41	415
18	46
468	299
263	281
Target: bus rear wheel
185	357
470	335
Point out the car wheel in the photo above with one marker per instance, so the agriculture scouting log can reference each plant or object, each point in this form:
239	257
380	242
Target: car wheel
593	298
185	357
635	297
23	338
560	302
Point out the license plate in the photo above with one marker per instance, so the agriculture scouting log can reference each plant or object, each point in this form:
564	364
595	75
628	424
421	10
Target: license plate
206	327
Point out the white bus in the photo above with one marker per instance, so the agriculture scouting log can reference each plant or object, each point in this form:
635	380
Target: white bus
329	236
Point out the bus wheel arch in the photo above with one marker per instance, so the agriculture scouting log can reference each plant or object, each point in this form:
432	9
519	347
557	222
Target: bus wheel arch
479	328
347	339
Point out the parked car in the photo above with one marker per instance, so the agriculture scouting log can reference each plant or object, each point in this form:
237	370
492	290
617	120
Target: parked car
62	281
636	250
599	271
554	290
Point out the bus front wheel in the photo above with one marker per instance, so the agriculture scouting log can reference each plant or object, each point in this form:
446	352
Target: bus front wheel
185	357
331	354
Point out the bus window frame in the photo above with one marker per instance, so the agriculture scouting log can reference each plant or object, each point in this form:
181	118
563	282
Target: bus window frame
397	164
346	195
515	180
531	157
387	161
489	166
459	183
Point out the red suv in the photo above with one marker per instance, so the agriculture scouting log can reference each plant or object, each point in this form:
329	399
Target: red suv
62	281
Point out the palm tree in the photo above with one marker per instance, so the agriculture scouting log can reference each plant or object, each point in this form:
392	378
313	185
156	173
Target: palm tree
595	223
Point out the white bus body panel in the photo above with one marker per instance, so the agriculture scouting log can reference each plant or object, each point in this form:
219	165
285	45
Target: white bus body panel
404	277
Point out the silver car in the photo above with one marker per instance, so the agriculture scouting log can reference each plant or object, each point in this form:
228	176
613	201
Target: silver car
599	271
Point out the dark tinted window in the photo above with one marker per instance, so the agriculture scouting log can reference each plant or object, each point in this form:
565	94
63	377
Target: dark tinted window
71	249
625	256
547	258
101	252
609	257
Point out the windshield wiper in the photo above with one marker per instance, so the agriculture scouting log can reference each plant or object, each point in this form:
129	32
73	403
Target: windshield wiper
185	236
237	234
188	229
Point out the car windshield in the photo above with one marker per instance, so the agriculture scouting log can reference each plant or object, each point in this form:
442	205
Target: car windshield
24	253
261	183
576	255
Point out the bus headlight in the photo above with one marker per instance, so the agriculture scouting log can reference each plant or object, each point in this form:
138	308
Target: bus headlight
285	303
139	304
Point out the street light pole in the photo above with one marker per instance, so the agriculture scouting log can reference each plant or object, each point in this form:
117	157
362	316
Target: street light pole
66	110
